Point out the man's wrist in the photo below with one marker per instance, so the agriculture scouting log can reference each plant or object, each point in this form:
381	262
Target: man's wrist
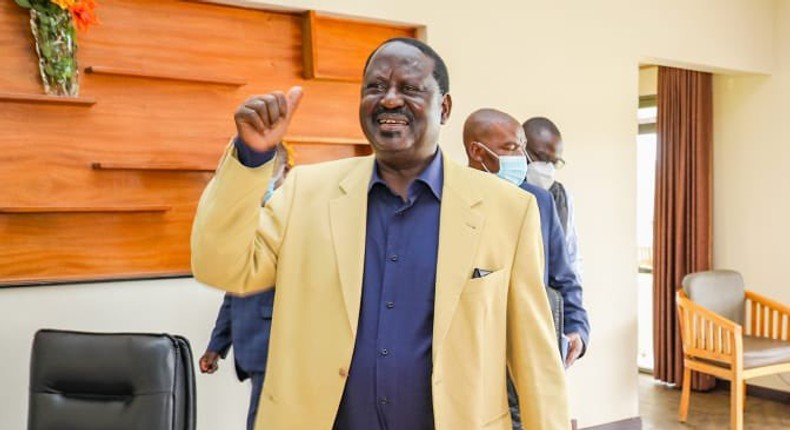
250	157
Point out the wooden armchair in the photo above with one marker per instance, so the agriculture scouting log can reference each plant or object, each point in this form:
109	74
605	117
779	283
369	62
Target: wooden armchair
730	333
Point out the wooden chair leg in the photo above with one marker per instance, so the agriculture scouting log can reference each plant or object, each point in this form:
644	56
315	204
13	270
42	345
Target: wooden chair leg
744	396
736	404
685	396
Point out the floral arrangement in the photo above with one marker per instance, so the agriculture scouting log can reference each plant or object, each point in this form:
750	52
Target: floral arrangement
53	23
81	11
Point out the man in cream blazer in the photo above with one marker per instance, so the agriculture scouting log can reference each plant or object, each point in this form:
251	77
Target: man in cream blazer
489	311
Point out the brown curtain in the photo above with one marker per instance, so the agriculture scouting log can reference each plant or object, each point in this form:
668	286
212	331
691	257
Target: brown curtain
682	223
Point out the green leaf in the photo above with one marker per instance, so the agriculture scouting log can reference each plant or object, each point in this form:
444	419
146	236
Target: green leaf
23	3
46	50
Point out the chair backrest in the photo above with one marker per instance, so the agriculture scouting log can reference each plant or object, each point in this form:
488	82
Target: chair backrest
119	381
720	291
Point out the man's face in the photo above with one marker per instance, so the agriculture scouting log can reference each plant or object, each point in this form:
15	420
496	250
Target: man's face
401	108
546	146
503	139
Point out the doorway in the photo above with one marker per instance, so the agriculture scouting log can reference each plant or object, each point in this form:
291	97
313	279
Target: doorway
646	175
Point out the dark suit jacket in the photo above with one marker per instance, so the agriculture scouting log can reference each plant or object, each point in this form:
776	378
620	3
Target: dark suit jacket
244	323
558	274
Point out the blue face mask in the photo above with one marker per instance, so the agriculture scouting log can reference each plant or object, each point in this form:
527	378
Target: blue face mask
269	192
512	168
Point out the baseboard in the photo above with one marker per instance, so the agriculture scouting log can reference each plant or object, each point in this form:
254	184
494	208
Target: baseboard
758	392
634	423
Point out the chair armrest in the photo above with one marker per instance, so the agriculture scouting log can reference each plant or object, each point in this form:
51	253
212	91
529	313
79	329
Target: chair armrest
706	334
766	318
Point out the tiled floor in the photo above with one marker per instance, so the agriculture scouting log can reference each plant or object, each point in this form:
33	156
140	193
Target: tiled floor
658	407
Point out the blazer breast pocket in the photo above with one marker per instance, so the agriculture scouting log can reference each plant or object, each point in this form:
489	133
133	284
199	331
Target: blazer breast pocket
486	284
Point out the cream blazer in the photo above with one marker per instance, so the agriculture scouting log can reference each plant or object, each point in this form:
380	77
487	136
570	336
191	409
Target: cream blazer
309	240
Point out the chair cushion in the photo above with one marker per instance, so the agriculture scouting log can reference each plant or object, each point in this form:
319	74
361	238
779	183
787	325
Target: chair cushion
720	291
760	351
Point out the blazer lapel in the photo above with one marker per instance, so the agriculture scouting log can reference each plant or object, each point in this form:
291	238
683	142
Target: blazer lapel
348	216
459	235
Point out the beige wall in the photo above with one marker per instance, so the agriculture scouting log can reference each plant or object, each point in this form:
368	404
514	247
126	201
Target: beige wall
751	183
648	81
574	61
706	34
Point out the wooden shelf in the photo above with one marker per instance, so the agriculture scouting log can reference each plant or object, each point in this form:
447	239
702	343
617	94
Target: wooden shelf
71	279
334	49
150	167
325	140
81	209
42	99
153	74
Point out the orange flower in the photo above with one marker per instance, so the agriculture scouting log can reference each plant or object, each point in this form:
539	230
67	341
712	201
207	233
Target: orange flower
289	150
82	14
64	4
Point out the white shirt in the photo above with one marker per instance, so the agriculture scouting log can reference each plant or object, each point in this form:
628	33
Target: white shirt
572	239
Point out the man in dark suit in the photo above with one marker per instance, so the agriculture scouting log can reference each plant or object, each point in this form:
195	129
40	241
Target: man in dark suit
245	322
494	143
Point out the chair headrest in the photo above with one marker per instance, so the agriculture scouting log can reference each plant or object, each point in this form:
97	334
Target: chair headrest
102	364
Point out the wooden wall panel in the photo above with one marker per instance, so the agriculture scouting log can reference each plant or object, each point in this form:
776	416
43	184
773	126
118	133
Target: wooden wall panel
156	138
336	48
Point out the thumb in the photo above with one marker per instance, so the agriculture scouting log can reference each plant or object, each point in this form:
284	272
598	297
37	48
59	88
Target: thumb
293	99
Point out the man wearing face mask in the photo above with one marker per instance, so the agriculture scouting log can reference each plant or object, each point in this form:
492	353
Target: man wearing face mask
245	322
544	147
494	143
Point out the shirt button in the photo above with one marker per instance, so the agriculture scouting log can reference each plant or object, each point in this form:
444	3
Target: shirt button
390	305
384	401
385	351
394	257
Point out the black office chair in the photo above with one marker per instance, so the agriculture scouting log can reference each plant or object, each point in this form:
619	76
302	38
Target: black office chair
111	381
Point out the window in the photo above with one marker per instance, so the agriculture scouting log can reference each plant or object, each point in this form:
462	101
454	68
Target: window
645	195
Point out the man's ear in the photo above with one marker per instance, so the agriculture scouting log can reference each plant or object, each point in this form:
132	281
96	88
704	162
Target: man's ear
447	107
475	152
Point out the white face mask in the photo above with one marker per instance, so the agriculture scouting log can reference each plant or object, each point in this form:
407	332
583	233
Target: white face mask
541	174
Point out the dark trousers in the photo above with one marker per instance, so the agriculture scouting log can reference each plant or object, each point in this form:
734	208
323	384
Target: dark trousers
257	384
512	397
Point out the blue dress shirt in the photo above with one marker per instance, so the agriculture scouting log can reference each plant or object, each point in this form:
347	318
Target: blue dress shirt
389	384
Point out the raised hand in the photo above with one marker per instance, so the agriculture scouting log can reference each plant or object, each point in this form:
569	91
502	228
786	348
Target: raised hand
261	122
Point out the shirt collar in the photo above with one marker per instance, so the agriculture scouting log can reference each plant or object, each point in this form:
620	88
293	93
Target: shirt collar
432	176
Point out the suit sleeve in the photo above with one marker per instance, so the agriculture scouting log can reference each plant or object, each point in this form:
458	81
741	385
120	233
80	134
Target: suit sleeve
563	278
534	364
235	242
221	336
